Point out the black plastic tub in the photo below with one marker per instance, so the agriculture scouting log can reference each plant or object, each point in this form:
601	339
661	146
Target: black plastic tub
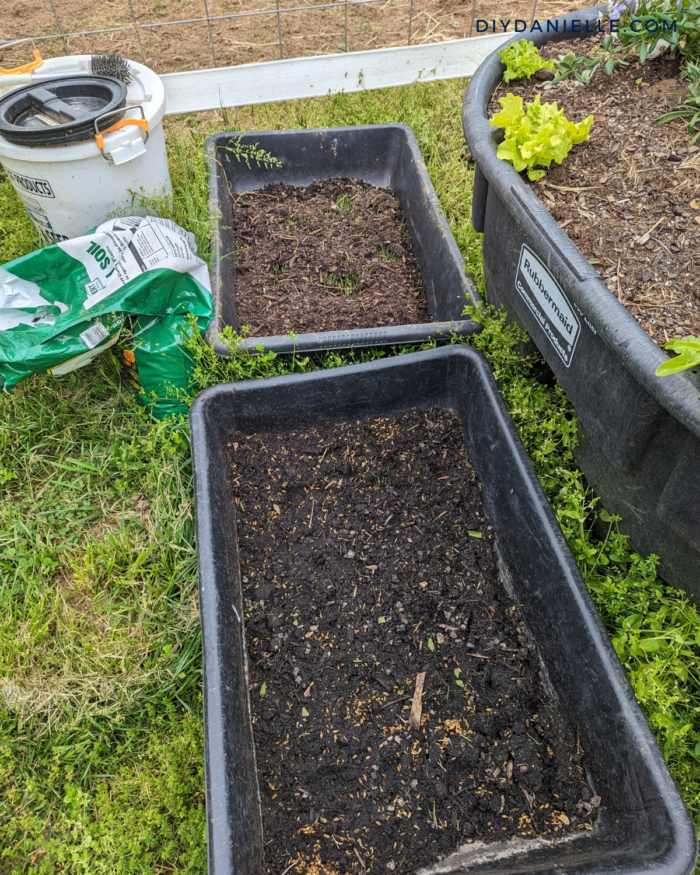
383	155
640	442
644	826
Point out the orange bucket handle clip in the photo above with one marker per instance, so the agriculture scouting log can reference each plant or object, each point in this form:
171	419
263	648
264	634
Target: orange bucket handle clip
25	68
122	123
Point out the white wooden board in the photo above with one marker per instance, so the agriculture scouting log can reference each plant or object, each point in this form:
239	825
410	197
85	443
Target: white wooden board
246	84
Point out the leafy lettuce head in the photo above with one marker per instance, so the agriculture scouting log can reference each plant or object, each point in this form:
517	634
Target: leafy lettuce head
537	134
522	59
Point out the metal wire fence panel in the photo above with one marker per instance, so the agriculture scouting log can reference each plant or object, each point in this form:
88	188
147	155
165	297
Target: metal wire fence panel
175	35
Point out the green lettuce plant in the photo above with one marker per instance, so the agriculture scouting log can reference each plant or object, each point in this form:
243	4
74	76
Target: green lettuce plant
522	59
536	135
689	356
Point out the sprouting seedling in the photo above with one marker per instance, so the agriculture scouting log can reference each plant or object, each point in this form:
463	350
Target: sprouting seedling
348	285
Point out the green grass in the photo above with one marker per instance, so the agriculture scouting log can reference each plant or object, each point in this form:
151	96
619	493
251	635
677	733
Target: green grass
101	749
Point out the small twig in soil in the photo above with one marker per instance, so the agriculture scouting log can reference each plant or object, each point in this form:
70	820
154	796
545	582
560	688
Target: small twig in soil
530	800
572	188
640	241
291	865
311	518
395	701
362	862
417	706
661	243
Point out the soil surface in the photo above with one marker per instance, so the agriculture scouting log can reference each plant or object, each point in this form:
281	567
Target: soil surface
175	47
630	197
335	255
367	563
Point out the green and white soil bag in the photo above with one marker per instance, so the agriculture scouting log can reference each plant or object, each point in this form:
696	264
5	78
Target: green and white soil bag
62	306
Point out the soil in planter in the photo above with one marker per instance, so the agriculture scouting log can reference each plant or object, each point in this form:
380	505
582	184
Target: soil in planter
635	180
335	255
367	562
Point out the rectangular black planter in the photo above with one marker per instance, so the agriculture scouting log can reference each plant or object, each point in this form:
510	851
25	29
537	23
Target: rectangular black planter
643	826
383	155
640	434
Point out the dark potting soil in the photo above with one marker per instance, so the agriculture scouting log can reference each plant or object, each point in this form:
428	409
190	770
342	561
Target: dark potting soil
333	256
367	561
630	197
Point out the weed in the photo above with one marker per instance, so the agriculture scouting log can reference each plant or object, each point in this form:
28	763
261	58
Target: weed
247	152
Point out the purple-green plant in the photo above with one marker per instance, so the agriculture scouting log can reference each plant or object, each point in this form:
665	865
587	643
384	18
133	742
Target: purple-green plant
677	23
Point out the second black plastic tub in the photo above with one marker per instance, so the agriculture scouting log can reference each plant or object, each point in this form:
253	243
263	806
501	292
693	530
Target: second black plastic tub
644	826
640	434
383	155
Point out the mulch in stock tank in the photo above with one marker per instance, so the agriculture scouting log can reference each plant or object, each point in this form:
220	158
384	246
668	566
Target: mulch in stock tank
333	256
630	197
368	567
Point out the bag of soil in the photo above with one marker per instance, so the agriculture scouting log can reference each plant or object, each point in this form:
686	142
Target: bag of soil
63	305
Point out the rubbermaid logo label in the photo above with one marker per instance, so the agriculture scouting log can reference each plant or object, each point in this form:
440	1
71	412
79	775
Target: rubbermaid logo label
42	187
548	304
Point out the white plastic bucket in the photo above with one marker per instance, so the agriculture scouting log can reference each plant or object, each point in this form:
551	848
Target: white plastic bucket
71	188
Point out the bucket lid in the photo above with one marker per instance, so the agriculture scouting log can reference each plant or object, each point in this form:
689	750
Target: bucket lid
61	111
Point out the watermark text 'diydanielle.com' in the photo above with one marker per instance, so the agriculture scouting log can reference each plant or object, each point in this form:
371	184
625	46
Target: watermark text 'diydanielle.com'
573	25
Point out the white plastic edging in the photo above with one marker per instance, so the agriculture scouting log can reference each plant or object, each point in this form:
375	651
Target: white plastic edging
246	84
